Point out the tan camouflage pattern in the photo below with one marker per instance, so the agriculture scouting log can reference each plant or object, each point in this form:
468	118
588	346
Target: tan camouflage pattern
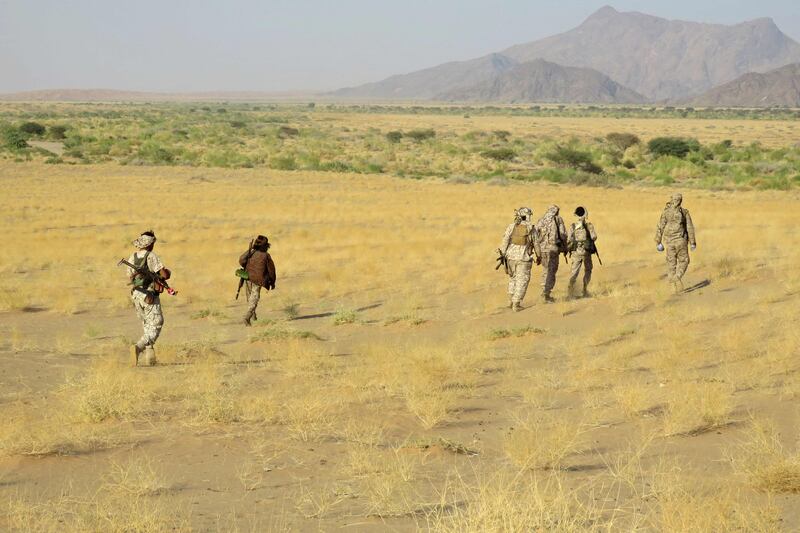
552	231
253	293
151	316
677	260
517	252
520	277
577	261
549	270
581	236
676	231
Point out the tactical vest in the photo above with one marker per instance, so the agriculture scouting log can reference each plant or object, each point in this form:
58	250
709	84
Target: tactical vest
520	235
141	262
581	237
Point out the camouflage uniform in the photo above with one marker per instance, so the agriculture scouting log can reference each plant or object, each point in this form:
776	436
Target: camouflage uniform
580	242
674	233
253	293
150	314
520	246
553	237
260	273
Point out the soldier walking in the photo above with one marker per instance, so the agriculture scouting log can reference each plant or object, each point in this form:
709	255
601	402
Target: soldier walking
258	271
145	295
519	248
553	240
676	231
580	242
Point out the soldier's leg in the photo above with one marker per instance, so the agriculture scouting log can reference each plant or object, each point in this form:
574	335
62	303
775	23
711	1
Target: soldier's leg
253	296
588	266
154	321
672	258
523	275
681	260
575	270
512	280
550	267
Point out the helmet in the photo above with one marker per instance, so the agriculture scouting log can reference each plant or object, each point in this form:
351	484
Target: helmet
523	213
581	211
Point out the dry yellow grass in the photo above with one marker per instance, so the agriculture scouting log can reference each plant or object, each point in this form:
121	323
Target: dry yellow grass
373	390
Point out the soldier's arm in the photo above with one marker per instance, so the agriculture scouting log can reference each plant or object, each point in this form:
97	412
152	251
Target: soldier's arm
154	263
662	223
571	235
592	232
562	229
689	227
243	259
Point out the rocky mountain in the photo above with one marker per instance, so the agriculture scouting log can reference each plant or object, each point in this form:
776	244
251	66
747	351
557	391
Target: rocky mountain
665	59
659	58
542	81
428	83
779	87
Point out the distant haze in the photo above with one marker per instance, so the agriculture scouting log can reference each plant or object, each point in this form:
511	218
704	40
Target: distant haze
283	45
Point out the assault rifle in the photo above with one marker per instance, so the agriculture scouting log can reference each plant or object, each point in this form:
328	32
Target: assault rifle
242	273
597	254
150	277
502	261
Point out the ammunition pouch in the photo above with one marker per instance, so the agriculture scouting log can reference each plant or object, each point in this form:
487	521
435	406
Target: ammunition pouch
242	274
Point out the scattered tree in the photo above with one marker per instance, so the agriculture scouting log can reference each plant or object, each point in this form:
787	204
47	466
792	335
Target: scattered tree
672	146
622	141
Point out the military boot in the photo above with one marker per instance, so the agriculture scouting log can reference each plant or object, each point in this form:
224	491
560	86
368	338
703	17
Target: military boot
546	298
516	307
149	356
677	286
135	352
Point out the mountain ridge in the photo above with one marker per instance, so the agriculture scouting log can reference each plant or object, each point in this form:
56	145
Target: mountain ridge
779	87
664	60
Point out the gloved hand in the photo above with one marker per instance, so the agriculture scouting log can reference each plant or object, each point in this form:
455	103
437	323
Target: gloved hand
660	247
694	247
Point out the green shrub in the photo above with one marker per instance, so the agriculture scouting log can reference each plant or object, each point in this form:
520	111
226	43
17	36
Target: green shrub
565	156
336	166
394	136
238	124
58	132
421	135
152	152
283	163
32	128
503	135
622	141
674	146
14	140
285	132
499	154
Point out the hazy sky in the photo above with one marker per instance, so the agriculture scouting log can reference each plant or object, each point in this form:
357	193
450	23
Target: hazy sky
274	45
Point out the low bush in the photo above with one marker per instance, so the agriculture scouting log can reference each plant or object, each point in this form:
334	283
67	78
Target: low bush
32	128
58	132
285	132
14	140
673	146
622	141
421	135
499	154
565	156
394	136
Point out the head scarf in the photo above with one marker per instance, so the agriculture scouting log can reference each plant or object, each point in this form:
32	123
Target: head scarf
677	198
548	217
584	210
523	213
144	241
